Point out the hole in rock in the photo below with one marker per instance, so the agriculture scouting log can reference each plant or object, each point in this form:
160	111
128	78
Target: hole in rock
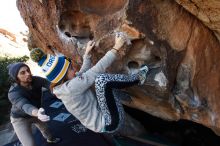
133	65
74	24
180	133
68	34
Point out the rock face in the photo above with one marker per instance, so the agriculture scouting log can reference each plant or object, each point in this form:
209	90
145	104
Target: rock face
206	11
181	51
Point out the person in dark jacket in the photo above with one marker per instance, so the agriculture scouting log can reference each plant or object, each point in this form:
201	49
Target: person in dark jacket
25	97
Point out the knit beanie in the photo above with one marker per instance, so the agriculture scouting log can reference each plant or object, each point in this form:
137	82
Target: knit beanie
36	54
54	67
14	68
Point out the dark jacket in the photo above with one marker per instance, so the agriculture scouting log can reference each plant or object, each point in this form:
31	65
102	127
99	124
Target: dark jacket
25	100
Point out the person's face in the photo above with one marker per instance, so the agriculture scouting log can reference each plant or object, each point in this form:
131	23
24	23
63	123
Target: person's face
24	75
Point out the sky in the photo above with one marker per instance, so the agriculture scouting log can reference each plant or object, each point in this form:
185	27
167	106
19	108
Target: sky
10	18
11	21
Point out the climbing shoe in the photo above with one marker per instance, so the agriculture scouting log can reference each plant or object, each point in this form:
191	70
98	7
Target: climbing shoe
142	74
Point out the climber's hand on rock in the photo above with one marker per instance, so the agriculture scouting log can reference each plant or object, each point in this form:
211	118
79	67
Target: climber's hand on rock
119	41
90	45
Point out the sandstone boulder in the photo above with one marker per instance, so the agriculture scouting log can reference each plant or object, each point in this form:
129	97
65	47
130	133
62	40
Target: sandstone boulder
181	49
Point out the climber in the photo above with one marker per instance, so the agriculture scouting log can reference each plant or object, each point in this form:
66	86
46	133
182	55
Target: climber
25	96
100	113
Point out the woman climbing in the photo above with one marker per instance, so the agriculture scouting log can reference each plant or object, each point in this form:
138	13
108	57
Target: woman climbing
102	112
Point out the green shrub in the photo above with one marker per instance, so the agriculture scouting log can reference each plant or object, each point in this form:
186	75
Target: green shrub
5	84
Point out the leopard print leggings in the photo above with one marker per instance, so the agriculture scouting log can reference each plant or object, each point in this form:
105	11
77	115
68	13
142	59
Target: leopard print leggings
110	105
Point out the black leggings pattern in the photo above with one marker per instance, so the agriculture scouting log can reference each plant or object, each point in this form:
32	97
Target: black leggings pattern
110	104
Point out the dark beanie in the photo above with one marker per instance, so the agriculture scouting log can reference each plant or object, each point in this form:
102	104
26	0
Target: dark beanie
14	68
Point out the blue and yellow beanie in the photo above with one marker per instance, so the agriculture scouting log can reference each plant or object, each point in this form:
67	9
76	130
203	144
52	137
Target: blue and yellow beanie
36	54
54	67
